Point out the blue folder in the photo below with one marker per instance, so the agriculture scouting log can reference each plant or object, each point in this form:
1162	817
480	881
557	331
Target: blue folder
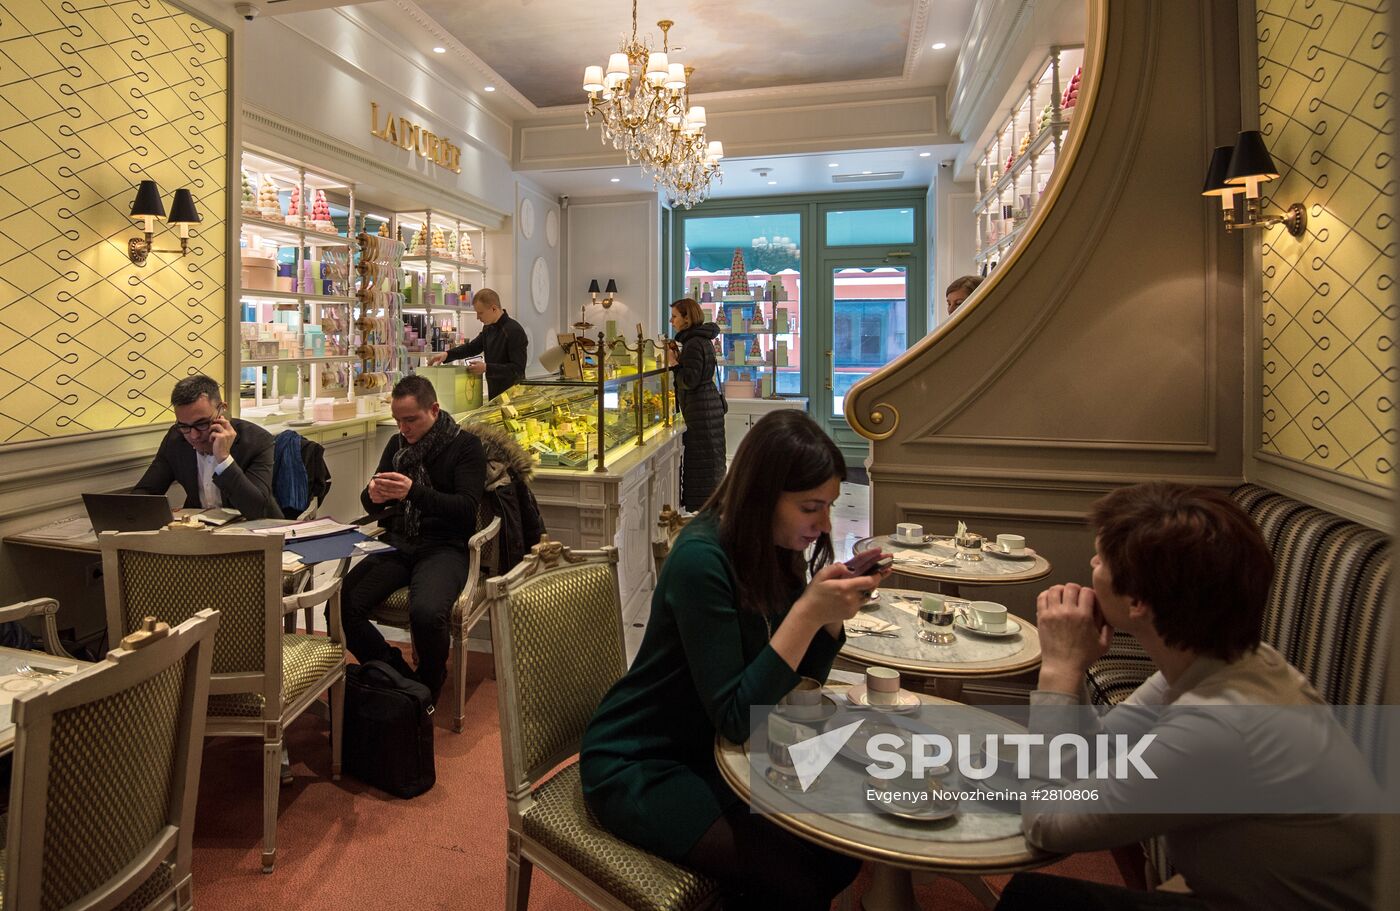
331	547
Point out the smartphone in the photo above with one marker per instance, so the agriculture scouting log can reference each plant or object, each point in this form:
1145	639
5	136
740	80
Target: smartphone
869	562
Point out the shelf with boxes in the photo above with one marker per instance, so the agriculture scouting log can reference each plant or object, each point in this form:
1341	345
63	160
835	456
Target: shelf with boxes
296	299
759	333
444	260
1019	160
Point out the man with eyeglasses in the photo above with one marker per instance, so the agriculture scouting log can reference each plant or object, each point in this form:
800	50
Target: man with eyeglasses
220	461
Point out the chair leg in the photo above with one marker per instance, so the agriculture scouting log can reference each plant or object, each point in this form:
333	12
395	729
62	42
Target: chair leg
337	725
518	870
459	680
272	774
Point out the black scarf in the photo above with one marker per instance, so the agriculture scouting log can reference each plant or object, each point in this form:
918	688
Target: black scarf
412	460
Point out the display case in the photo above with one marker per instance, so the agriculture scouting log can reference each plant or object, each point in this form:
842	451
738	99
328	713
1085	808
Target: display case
624	397
296	303
1019	160
444	263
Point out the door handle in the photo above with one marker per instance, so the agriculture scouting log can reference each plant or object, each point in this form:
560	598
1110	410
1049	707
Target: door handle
830	367
898	254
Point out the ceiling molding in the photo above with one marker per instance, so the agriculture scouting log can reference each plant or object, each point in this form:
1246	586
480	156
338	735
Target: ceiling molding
918	30
414	12
992	34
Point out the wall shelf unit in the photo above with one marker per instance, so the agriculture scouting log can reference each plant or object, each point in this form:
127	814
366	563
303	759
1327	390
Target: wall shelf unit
444	264
1016	165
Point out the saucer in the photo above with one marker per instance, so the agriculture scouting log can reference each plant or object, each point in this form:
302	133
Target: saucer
907	700
912	542
824	710
1013	627
993	550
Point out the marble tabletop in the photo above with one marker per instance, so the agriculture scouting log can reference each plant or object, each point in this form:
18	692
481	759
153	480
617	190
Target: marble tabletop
970	654
935	560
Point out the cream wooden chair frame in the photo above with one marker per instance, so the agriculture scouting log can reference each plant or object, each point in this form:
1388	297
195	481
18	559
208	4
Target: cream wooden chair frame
470	607
275	716
670	521
192	642
47	608
523	776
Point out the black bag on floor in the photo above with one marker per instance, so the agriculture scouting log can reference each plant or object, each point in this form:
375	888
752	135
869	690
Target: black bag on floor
388	738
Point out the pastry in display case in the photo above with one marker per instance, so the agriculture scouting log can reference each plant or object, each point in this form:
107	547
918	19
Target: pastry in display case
568	423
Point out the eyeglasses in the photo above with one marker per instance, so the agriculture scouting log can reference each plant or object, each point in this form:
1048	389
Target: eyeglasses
197	427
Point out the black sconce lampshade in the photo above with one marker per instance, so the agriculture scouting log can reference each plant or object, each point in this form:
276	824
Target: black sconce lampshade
612	286
1251	158
147	201
593	287
1215	175
182	208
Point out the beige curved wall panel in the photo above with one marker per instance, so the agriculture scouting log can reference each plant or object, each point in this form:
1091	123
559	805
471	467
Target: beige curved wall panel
1109	348
94	98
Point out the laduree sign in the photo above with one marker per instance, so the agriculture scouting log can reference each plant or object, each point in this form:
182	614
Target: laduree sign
411	137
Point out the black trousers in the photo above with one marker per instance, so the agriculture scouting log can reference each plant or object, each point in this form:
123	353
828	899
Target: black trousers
763	867
434	575
1040	891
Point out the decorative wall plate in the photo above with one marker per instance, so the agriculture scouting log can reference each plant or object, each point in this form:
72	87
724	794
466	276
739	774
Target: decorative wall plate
539	284
551	227
527	218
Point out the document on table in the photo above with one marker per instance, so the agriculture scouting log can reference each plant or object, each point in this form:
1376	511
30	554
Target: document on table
65	529
305	531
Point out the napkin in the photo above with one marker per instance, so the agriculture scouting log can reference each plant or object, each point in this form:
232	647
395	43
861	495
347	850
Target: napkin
859	626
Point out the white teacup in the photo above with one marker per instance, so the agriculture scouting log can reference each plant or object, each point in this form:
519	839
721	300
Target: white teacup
1011	544
804	701
882	686
909	531
987	615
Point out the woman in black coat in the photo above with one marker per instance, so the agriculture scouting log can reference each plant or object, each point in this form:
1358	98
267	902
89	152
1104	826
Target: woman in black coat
692	359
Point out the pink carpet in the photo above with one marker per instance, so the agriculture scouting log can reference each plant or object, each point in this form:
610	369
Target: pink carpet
344	845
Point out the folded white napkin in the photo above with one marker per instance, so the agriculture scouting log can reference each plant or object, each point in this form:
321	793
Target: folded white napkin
859	626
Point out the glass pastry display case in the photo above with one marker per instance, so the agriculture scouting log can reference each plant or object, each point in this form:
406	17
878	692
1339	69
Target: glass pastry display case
568	423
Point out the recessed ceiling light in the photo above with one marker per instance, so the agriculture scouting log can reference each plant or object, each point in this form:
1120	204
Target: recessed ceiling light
439	50
940	45
490	88
925	154
616	179
865	172
772	183
834	164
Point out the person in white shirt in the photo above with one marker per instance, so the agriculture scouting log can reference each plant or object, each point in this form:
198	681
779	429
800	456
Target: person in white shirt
219	461
1186	573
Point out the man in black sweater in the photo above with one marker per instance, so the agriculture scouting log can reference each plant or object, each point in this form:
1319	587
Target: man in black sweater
502	342
219	461
424	494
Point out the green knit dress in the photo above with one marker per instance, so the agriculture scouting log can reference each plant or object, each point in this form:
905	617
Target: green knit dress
647	759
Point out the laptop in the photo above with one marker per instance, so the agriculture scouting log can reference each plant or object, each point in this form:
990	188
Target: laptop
127	511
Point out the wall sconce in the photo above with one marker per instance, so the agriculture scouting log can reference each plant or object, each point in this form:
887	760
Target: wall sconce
1240	170
611	293
148	207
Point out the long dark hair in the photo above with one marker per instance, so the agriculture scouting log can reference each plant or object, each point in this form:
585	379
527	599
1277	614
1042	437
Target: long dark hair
784	452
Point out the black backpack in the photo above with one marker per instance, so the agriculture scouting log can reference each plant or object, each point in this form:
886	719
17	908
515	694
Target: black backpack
388	740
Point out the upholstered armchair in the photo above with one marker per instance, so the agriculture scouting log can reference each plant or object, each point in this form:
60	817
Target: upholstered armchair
106	776
469	607
46	608
556	632
263	678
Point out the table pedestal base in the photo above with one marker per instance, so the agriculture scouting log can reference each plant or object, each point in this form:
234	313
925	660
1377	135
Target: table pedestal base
892	889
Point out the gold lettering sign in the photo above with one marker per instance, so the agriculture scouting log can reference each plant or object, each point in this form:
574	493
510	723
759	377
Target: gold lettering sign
411	137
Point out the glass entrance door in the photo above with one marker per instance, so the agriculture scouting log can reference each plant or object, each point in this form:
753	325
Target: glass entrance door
868	328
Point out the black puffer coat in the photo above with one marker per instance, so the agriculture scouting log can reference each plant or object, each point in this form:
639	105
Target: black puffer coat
700	402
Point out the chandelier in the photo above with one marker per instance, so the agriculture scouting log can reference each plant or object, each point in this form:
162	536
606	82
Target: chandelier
643	105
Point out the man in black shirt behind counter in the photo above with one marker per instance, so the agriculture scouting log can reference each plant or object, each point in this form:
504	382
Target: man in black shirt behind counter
424	493
503	343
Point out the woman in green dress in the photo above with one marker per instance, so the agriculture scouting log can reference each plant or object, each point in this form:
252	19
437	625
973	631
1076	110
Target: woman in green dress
738	617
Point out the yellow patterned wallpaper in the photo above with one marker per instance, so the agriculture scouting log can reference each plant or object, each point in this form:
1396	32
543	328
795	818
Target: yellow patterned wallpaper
94	97
1329	304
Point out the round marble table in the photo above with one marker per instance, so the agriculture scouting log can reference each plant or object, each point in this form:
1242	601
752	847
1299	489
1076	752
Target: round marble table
970	655
965	847
935	561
